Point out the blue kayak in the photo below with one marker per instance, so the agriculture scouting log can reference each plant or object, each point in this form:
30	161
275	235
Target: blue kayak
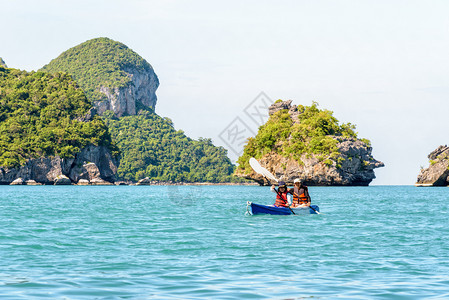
256	209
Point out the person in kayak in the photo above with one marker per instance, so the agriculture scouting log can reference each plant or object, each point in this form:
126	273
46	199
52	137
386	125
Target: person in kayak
300	194
282	195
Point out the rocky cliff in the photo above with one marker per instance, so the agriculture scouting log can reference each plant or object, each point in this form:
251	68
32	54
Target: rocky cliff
112	75
93	163
437	174
349	164
125	100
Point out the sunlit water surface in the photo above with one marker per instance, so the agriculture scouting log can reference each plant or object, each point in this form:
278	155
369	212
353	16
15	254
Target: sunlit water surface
190	242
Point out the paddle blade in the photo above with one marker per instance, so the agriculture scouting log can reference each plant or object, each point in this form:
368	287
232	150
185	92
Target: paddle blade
261	170
255	165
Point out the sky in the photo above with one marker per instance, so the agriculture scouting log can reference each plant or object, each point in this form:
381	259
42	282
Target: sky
381	65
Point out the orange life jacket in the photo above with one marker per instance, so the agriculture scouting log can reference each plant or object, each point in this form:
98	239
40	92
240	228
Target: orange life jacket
281	199
299	199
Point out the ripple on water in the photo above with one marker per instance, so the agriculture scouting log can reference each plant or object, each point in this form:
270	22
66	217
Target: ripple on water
123	242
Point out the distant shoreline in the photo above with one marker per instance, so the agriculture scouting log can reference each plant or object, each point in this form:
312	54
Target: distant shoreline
197	184
146	184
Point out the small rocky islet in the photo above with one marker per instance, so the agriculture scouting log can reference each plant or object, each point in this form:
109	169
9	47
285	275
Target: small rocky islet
437	174
309	143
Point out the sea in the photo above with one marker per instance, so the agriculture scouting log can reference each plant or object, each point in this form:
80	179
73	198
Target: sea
197	242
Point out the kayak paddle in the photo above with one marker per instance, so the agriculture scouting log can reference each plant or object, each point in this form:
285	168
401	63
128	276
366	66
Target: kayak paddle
261	170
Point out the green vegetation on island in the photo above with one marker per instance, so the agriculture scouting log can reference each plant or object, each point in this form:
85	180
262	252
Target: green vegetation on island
151	147
149	144
42	115
98	62
314	134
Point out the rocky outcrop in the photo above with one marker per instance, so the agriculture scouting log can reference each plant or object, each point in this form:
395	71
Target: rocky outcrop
121	183
62	180
437	174
18	181
99	181
354	165
141	90
83	182
2	63
281	105
89	115
32	182
91	163
144	181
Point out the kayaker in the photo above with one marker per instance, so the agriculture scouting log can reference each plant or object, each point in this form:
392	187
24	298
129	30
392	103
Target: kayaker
282	195
300	193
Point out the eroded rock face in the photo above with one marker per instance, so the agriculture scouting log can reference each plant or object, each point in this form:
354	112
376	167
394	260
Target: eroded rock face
126	100
92	162
437	174
281	105
355	165
356	169
62	180
44	170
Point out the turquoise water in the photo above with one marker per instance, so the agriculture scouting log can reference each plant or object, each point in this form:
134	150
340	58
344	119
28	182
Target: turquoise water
190	242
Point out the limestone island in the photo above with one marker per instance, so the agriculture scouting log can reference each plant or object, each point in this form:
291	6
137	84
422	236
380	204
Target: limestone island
88	118
308	143
437	174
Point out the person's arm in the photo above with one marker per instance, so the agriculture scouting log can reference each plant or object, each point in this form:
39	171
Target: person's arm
290	193
273	189
289	199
